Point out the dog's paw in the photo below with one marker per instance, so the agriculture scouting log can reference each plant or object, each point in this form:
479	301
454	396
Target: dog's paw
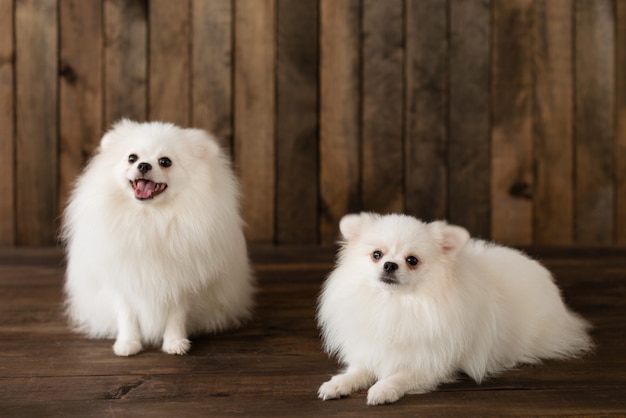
176	346
126	348
383	392
333	389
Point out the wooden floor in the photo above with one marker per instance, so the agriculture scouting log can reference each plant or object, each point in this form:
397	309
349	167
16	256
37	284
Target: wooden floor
274	365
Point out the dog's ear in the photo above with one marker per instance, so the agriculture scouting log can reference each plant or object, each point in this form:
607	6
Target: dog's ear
117	131
351	225
452	238
205	145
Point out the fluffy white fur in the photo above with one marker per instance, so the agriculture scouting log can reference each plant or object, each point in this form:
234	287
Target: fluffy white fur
467	305
154	271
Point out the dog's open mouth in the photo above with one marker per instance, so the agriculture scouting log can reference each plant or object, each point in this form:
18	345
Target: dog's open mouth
147	189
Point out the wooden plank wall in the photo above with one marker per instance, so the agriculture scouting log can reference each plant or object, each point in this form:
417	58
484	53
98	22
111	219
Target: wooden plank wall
505	116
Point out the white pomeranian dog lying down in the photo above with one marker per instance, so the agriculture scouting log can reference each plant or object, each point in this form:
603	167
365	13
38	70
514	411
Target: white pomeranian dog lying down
155	248
411	304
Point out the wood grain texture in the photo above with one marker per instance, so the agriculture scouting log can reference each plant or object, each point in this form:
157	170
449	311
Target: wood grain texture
553	122
7	125
512	182
426	114
620	133
468	110
594	121
297	86
382	89
36	71
340	117
80	88
511	114
273	365
212	68
126	60
255	110
169	67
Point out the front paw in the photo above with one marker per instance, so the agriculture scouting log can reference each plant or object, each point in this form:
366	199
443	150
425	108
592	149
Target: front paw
335	388
126	348
176	346
383	392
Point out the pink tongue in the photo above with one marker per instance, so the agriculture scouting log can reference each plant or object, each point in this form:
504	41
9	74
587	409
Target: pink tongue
144	189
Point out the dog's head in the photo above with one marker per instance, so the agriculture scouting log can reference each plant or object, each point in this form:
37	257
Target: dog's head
156	162
396	251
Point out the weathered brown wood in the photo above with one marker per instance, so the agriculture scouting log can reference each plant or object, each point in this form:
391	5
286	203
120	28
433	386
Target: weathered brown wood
426	116
274	364
126	60
594	121
468	107
620	128
554	124
297	102
80	88
212	68
512	112
36	72
382	106
255	110
169	71
216	403
340	118
7	126
512	182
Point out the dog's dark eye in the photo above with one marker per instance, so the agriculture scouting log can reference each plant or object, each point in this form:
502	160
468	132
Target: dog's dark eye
132	158
377	255
412	261
165	162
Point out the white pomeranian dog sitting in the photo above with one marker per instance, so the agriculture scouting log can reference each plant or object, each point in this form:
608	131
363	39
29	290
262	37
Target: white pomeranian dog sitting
155	248
410	304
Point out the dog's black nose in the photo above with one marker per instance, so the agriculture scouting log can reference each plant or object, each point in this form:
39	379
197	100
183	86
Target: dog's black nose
390	267
144	167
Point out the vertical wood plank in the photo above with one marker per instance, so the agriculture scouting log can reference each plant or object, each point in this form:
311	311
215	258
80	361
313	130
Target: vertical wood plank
36	31
512	122
7	126
426	115
594	116
80	88
297	122
125	50
169	71
620	91
255	113
339	113
553	126
382	106
212	68
468	142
